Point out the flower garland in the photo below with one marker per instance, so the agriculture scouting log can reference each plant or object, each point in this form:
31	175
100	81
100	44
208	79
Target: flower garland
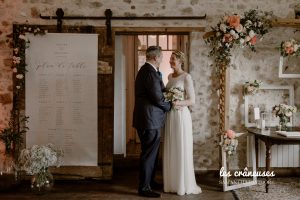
236	30
251	88
289	48
12	136
18	60
229	142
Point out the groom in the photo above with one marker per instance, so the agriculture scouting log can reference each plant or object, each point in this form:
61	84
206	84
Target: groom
148	117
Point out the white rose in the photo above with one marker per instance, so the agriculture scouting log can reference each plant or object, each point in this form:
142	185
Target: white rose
250	88
247	38
287	44
232	32
242	41
22	37
239	28
252	34
289	114
296	46
236	36
223	27
19	76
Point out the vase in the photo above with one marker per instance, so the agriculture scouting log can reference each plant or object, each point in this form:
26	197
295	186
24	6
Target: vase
42	182
283	123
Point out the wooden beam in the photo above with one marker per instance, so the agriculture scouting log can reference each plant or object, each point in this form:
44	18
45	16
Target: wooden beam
155	30
280	22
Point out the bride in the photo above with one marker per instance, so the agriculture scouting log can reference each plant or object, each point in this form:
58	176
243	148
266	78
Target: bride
178	165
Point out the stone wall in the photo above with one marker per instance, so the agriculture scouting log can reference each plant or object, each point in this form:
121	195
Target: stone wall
245	65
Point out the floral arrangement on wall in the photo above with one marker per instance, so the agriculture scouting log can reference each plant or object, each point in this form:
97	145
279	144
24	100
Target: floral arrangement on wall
12	136
21	42
229	142
251	88
236	30
289	48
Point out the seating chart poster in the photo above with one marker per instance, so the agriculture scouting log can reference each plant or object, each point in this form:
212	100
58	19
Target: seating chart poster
61	95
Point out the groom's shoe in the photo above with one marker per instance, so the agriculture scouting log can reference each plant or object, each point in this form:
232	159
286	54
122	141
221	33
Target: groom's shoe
149	193
156	186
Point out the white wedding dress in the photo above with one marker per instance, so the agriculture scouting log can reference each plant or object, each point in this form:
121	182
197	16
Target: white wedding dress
178	164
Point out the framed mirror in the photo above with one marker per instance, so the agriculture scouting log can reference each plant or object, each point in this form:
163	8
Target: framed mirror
289	67
235	183
267	97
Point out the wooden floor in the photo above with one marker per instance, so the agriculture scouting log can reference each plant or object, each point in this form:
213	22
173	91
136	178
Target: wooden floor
122	186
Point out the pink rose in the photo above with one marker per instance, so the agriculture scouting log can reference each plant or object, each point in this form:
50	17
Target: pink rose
253	40
227	37
230	134
289	50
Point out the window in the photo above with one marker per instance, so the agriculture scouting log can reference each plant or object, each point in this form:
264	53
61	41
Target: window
168	44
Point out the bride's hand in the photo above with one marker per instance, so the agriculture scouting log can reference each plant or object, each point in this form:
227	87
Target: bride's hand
177	106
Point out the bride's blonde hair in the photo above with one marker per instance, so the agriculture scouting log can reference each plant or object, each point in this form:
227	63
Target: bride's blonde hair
179	55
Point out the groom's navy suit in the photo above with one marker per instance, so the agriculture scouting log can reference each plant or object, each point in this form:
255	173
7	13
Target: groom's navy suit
148	118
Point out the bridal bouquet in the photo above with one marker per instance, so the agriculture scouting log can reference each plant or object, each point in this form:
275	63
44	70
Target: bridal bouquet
252	87
229	142
174	94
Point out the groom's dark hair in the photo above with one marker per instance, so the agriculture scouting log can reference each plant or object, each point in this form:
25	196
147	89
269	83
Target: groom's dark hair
152	52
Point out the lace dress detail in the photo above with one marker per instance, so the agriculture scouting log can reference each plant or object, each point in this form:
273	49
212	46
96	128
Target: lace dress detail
178	163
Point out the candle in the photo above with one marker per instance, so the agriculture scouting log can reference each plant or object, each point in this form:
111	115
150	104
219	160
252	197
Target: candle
256	113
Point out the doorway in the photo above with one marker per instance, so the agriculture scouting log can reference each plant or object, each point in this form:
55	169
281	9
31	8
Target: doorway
129	57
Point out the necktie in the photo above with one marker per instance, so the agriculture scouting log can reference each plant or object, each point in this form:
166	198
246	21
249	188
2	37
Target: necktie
160	74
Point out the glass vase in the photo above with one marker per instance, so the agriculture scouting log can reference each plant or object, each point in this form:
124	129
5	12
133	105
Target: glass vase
283	123
42	182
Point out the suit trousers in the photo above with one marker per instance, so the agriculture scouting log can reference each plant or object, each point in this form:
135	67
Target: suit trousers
150	141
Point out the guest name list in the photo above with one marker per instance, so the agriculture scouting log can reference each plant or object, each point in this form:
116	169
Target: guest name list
61	95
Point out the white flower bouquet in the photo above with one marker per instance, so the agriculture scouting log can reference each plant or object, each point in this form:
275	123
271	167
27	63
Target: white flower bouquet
229	142
37	158
284	112
251	88
174	94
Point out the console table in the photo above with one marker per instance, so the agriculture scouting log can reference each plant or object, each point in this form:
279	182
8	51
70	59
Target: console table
270	138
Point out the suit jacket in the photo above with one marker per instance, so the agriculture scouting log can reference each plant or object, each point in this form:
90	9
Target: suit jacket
150	107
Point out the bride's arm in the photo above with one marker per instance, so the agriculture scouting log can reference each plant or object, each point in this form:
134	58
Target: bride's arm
190	92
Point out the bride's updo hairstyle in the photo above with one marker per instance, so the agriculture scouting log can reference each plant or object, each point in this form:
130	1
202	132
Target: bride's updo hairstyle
179	55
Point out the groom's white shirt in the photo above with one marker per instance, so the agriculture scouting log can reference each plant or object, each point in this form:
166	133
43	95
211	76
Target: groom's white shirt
152	66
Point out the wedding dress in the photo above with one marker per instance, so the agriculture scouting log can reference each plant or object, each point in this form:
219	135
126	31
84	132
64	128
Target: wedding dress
178	164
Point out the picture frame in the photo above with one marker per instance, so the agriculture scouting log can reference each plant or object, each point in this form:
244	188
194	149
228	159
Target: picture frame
226	183
291	95
288	62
